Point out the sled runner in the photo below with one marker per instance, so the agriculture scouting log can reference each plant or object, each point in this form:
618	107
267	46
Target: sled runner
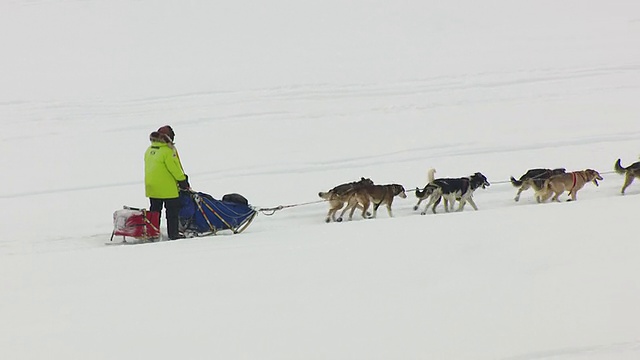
140	224
203	215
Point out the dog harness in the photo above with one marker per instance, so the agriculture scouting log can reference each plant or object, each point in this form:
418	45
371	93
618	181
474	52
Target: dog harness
574	176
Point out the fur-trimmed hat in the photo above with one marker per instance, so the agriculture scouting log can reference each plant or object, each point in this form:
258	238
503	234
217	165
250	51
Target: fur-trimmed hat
167	130
159	137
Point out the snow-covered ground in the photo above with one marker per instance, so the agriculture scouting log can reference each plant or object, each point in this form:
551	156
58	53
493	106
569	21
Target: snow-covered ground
280	100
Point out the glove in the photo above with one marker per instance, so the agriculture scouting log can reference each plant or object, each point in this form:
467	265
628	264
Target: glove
184	184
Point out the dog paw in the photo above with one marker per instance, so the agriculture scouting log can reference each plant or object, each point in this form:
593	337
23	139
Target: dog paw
415	208
339	220
423	213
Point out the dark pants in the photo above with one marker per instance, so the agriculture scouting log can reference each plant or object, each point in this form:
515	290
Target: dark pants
173	209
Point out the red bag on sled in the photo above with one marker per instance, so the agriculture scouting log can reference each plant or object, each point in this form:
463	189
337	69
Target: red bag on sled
137	223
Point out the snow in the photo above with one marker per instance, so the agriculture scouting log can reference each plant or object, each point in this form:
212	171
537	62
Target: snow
279	101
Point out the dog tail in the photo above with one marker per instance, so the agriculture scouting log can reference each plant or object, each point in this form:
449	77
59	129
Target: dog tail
516	182
431	175
619	169
324	195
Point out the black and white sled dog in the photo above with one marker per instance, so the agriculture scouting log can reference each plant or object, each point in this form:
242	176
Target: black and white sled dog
450	189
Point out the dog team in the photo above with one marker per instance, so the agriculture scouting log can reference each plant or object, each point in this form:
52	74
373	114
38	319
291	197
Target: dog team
546	184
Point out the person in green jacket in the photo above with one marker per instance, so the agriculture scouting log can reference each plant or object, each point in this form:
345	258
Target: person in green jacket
164	177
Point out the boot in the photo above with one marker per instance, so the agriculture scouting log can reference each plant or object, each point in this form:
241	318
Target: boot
172	229
173	221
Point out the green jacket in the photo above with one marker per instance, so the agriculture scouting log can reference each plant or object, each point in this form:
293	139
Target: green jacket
162	169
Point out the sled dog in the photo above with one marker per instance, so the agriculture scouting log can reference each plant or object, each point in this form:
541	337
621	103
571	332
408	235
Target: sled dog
630	172
339	195
572	181
427	190
372	194
534	178
452	189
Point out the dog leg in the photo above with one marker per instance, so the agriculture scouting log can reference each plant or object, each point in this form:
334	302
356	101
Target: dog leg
449	201
426	207
375	209
463	202
429	203
546	196
350	205
473	204
365	207
389	209
435	204
522	188
574	195
543	195
353	207
417	205
452	203
628	179
331	215
446	204
353	210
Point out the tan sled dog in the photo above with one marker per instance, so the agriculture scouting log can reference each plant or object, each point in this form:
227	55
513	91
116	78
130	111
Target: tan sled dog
376	194
340	194
630	172
572	182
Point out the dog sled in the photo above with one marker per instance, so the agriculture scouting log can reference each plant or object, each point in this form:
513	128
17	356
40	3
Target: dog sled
201	214
140	224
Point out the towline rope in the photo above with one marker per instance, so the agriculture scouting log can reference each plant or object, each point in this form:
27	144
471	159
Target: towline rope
272	210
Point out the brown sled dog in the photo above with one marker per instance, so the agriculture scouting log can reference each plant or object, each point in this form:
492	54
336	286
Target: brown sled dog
340	194
630	172
534	178
376	194
573	181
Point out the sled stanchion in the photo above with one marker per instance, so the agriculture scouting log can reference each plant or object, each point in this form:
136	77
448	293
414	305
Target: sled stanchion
219	217
197	201
247	223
